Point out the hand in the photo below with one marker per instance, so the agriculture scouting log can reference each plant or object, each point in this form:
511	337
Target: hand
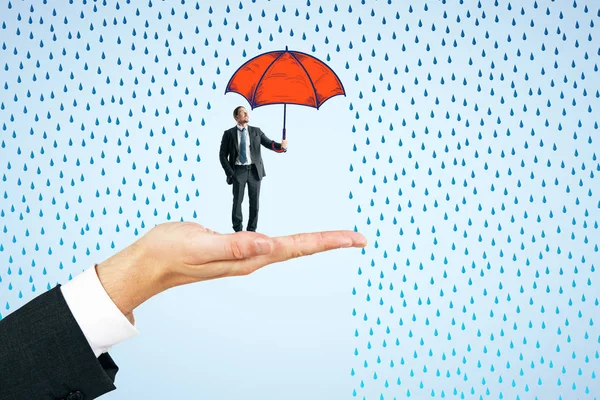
177	253
284	144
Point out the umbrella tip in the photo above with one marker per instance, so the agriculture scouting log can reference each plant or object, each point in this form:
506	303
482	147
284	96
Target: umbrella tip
286	48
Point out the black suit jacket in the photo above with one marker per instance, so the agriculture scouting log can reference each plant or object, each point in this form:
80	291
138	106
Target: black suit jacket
230	149
44	354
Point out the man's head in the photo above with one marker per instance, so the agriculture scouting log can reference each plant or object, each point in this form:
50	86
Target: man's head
240	115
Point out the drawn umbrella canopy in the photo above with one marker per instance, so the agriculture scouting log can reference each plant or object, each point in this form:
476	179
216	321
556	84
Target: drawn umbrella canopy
285	77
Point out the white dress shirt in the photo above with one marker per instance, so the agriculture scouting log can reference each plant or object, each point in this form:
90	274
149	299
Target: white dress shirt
101	322
239	137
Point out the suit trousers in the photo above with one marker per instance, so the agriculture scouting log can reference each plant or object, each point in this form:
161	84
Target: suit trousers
245	174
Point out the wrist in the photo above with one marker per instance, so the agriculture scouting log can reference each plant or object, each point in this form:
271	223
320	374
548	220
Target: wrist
129	279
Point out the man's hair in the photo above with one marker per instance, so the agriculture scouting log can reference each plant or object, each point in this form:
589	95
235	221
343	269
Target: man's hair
235	111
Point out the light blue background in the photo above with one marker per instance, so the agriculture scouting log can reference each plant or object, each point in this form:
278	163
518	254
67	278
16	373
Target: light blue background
465	150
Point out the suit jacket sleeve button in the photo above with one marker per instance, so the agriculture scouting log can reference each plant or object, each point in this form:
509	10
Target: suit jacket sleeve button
76	395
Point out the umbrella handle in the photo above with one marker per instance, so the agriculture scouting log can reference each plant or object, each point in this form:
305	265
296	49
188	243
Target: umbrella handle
284	150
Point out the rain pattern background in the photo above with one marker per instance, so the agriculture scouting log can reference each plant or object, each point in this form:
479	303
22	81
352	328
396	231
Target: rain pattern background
465	150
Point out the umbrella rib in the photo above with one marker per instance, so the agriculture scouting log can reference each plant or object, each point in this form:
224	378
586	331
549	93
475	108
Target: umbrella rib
309	79
262	76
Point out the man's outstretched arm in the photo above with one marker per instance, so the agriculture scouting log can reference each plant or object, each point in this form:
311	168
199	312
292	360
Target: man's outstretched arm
45	351
179	253
271	144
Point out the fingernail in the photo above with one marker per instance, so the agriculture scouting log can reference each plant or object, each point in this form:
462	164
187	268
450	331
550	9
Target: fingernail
262	246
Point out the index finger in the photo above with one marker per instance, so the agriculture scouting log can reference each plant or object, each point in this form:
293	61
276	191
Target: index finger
306	244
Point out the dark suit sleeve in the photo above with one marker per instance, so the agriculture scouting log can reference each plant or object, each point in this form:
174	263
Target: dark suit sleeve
223	153
270	144
44	354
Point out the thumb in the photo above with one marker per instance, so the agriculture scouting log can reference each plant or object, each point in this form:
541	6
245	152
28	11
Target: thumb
235	246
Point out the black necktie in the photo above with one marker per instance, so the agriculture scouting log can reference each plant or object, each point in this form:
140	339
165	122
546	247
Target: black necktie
243	147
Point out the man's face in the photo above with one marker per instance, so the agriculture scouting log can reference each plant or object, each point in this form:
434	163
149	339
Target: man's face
242	116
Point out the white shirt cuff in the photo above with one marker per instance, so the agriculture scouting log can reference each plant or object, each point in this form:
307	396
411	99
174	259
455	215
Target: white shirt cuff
100	320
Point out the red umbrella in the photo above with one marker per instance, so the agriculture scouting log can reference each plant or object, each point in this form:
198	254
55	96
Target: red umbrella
285	77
